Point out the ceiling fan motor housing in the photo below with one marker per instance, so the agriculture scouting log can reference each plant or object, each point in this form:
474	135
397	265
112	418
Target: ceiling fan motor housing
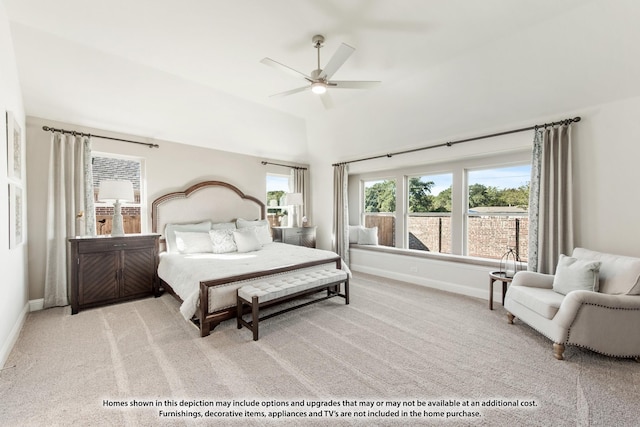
317	40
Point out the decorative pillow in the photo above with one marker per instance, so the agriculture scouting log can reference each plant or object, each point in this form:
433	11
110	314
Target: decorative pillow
246	240
575	274
368	236
223	226
353	233
261	227
193	242
170	230
222	240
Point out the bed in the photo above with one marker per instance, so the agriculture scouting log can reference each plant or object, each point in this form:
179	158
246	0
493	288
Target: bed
206	282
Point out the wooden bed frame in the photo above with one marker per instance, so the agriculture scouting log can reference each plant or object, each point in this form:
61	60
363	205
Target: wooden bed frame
217	201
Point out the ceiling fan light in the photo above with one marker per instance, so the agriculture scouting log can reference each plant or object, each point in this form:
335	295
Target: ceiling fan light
318	88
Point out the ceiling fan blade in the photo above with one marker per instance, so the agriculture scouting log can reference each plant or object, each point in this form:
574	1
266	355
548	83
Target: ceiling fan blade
342	54
278	66
353	84
326	100
290	92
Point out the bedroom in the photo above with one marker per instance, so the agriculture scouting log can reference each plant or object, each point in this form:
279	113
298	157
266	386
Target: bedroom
543	65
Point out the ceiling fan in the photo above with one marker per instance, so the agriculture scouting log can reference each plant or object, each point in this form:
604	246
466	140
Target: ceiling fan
320	79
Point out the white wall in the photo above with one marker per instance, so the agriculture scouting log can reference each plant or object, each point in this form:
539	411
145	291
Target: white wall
172	167
607	202
13	286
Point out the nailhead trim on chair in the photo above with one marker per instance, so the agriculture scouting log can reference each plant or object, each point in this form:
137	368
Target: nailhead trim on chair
593	349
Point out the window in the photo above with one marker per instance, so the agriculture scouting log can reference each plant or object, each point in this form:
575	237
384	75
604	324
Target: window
277	186
110	167
429	213
380	208
498	211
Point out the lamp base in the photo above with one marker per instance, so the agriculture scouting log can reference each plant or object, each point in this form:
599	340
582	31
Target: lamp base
116	226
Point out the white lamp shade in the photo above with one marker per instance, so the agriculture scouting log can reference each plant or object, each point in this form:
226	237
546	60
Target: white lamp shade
110	191
293	199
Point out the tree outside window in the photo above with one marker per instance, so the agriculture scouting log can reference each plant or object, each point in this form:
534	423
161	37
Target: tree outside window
379	209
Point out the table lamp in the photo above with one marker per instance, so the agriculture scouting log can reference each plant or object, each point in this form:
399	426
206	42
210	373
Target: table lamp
116	192
295	200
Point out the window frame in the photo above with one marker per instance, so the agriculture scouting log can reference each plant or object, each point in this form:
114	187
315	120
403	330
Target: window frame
459	202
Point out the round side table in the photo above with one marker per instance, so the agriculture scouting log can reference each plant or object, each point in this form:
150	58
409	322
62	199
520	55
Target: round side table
498	276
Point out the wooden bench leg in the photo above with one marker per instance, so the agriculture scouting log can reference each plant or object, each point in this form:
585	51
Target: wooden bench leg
346	291
255	311
239	309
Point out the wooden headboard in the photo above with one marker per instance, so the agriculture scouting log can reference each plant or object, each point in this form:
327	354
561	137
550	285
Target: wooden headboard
209	200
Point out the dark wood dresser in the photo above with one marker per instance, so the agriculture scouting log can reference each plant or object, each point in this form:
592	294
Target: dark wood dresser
301	236
106	269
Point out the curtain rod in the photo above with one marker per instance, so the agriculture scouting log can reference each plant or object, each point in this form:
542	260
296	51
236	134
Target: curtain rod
73	132
286	166
460	141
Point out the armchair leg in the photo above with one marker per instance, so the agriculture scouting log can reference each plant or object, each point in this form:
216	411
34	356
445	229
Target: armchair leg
510	318
558	351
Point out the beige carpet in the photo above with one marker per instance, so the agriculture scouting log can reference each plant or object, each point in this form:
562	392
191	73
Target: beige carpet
394	344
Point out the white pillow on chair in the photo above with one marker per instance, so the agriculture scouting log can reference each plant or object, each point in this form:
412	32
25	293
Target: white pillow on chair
576	274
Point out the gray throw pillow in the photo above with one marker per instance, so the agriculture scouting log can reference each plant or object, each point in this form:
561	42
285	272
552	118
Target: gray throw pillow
575	274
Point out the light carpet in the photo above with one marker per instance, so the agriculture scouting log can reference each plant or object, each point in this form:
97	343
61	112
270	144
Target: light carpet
395	344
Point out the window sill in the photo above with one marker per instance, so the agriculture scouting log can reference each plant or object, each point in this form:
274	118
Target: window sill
485	262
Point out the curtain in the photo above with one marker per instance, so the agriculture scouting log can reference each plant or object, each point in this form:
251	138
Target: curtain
299	185
70	210
340	241
550	199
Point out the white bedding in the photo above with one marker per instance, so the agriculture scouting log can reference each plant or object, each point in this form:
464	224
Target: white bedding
184	272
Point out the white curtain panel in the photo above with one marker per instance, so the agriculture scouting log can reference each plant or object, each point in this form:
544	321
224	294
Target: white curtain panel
340	240
299	185
70	210
550	199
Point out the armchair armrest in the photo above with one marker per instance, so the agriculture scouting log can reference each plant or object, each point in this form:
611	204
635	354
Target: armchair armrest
533	280
575	299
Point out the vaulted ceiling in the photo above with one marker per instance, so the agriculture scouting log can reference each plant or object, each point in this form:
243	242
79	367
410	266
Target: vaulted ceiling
190	71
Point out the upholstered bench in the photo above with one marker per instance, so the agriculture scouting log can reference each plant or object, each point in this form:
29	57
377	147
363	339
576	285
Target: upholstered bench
278	289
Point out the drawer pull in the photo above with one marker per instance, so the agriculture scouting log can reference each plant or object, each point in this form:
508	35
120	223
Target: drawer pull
117	245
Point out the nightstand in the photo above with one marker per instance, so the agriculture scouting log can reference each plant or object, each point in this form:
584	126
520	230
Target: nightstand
301	236
107	269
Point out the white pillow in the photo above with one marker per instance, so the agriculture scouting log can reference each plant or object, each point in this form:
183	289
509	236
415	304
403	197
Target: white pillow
261	227
575	274
368	236
223	226
170	229
193	242
353	233
222	240
246	240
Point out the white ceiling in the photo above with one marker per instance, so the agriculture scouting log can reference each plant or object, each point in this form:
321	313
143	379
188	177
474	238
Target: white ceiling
189	70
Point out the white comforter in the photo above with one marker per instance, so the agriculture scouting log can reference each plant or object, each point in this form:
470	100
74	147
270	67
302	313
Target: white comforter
185	272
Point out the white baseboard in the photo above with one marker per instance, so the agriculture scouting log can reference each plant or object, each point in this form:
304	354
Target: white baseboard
36	304
13	336
436	284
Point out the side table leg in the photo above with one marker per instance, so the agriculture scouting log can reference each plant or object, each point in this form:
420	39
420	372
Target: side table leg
504	291
491	293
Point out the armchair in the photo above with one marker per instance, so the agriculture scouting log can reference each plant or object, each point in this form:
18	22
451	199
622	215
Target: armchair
606	320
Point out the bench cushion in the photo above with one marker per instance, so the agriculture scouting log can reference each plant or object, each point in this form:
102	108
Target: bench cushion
274	287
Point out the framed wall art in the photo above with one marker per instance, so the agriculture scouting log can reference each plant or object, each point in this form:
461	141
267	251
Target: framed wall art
14	148
15	216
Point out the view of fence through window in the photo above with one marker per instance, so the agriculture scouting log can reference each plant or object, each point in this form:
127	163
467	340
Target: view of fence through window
114	168
380	208
496	216
429	216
